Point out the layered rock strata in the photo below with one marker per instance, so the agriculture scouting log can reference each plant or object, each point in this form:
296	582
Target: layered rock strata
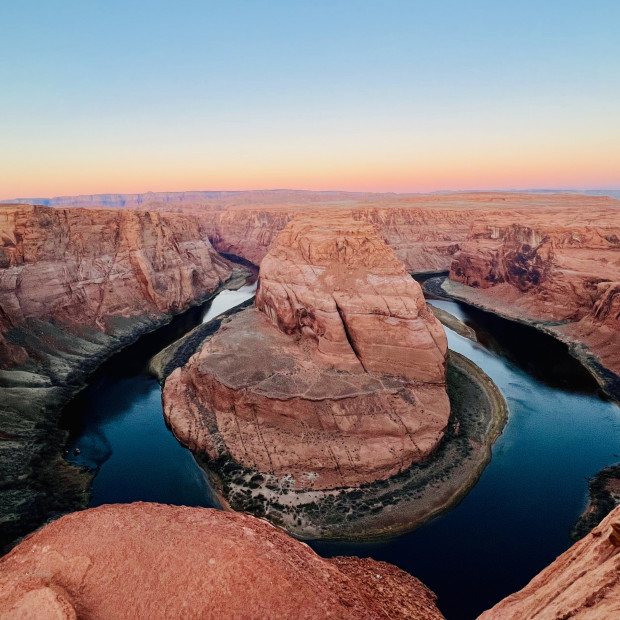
335	379
563	276
583	583
75	286
155	561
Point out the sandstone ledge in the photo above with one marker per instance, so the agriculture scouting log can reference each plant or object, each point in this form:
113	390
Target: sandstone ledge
562	331
582	584
154	561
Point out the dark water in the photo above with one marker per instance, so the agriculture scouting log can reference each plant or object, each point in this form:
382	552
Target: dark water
512	524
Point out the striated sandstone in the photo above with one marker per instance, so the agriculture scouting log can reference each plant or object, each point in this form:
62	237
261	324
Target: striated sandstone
83	267
563	272
335	379
583	583
75	286
155	561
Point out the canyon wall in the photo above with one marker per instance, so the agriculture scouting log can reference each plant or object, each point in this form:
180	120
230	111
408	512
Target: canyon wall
583	583
560	272
75	286
153	561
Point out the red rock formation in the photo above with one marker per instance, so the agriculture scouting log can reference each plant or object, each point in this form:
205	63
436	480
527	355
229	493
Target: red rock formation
155	561
583	583
562	267
335	380
83	267
75	286
335	281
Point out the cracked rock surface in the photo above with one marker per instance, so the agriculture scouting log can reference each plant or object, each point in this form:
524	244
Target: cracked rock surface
335	379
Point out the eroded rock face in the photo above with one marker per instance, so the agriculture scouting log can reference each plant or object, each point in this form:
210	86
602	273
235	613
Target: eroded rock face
336	281
155	561
583	583
75	286
83	267
335	379
564	268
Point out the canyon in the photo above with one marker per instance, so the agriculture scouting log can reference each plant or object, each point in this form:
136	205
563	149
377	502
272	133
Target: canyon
561	275
75	286
78	284
153	561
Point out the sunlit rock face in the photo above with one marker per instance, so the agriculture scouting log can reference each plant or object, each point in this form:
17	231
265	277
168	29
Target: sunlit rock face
562	268
583	583
155	561
336	378
84	267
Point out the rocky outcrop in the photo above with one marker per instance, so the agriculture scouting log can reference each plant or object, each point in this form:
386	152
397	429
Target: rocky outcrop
155	561
562	271
75	286
583	583
85	267
604	496
336	379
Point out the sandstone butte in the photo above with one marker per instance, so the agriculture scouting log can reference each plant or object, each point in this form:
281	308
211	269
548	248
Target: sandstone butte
336	378
582	584
155	561
75	286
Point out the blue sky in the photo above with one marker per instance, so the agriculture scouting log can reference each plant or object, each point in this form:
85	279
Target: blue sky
390	95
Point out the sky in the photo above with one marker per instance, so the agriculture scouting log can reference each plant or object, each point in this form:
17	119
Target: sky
383	95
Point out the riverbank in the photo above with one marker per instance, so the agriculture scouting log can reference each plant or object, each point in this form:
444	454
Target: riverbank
607	380
604	496
390	507
453	323
38	484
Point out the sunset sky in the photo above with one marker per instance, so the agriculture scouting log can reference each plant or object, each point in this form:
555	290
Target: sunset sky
384	95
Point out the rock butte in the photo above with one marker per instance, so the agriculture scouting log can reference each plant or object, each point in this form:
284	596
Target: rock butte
335	379
155	561
583	583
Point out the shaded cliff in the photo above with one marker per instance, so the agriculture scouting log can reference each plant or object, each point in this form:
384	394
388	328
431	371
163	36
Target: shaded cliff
561	273
75	286
155	561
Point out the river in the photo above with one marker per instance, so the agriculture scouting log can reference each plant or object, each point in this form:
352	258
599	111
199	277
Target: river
515	521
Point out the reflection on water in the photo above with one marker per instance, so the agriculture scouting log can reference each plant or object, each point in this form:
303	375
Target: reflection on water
229	299
512	524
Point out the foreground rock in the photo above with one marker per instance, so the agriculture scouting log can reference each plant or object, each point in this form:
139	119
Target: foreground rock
155	561
561	274
75	286
336	379
583	583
